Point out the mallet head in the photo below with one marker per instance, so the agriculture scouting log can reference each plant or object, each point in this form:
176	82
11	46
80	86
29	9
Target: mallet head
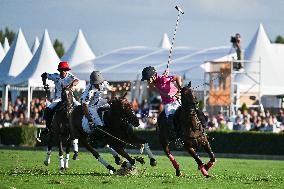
179	9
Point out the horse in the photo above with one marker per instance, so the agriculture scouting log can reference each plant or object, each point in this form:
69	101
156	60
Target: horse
191	132
117	132
60	133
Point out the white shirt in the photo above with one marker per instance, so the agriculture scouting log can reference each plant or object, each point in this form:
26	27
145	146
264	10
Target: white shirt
93	95
60	82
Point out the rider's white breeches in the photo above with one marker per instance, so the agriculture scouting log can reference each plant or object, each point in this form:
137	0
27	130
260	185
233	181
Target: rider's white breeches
55	102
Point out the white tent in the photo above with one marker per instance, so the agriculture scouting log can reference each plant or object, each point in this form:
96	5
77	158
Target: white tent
35	45
16	59
6	45
264	68
126	64
2	53
79	51
44	60
165	42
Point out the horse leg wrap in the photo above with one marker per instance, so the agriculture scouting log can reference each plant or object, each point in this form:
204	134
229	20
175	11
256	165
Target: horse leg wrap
111	151
102	161
47	158
61	162
174	162
148	151
66	162
75	145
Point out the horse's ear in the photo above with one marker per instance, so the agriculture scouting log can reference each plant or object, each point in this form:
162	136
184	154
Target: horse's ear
189	84
124	95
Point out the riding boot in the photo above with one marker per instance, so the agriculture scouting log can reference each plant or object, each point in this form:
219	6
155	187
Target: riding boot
48	116
174	132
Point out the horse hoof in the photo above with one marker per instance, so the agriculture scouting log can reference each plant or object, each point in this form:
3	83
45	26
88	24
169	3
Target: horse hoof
140	160
62	168
111	169
46	163
178	173
75	156
153	162
117	160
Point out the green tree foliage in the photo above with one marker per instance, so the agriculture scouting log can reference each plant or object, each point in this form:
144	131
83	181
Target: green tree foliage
279	39
7	33
58	47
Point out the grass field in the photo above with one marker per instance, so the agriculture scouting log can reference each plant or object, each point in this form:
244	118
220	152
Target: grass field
24	169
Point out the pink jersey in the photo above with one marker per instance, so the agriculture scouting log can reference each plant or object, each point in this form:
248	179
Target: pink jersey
166	85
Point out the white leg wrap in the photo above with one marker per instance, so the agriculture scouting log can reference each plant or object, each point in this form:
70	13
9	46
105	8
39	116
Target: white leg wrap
110	150
75	145
66	162
148	151
61	162
47	157
102	161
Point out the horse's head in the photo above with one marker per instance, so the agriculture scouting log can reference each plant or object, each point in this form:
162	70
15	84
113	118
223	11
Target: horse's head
121	107
67	99
188	98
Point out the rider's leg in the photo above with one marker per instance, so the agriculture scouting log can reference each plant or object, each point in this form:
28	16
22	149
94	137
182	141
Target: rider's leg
48	115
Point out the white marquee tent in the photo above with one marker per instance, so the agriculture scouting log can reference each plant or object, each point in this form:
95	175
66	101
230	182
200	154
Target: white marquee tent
79	51
126	64
2	53
35	45
16	59
6	45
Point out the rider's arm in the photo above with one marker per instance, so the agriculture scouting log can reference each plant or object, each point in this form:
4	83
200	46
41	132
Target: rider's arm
86	112
178	81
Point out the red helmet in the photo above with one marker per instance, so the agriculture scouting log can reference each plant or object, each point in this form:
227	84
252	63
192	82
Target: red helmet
63	66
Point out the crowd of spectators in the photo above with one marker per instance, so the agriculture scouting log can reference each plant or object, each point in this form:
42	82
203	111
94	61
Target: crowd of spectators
147	112
249	120
16	113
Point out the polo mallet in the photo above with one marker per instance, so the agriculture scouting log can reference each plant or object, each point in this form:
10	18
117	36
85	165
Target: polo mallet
174	37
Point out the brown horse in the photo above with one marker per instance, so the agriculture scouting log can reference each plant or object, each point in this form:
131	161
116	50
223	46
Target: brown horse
118	132
191	131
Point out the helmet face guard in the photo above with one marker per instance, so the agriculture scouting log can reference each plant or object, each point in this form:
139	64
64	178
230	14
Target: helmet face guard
148	72
96	77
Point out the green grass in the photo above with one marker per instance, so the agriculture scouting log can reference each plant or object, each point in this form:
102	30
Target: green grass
24	169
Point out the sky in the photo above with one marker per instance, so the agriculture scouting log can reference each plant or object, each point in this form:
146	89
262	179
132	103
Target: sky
112	24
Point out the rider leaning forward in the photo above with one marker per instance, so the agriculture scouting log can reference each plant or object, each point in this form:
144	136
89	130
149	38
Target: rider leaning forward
61	80
167	87
92	99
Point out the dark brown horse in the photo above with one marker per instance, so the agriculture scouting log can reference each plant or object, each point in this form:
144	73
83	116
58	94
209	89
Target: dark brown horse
118	132
60	133
191	131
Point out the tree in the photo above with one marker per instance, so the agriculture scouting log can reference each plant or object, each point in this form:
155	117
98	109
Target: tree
7	33
279	39
58	47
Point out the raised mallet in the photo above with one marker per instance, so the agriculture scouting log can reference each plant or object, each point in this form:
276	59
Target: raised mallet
180	11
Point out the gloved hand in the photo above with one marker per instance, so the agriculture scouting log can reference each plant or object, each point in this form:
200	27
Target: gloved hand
44	75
